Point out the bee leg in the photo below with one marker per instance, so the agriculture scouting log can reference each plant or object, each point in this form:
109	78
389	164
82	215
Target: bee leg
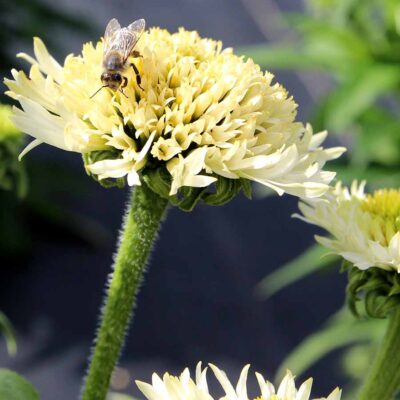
125	83
135	54
138	77
121	91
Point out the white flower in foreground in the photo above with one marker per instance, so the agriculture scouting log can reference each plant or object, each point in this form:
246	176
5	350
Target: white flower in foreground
365	227
184	388
204	113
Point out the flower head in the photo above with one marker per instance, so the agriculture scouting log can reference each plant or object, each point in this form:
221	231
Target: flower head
183	387
365	227
204	115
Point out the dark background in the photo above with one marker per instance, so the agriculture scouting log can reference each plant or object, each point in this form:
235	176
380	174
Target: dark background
198	300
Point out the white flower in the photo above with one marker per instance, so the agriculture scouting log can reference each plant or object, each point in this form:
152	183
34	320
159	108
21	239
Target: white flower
204	113
184	388
365	228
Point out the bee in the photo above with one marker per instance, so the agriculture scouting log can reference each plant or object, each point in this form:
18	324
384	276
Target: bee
119	46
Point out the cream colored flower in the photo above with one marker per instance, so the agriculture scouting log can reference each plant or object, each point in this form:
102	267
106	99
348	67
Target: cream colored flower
184	388
365	227
204	113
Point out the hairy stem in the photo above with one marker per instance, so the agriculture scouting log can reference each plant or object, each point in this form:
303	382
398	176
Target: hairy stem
383	380
140	226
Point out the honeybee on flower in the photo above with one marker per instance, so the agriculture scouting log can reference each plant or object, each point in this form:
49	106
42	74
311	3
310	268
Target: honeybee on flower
119	44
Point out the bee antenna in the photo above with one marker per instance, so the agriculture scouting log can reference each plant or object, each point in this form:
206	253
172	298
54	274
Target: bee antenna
97	91
120	90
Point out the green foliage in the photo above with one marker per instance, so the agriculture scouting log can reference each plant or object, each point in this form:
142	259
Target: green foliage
339	331
23	19
15	387
313	259
8	332
357	44
12	171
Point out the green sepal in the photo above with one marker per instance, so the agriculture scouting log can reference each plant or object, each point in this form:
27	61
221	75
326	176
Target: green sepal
225	190
158	180
247	188
94	156
221	192
188	197
373	292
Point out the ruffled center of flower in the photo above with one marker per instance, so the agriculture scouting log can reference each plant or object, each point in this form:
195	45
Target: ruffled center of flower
383	206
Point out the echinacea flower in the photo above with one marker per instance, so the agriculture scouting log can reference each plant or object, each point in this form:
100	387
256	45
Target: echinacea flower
183	387
204	114
365	228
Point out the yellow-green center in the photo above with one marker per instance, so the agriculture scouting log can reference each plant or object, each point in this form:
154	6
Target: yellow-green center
384	208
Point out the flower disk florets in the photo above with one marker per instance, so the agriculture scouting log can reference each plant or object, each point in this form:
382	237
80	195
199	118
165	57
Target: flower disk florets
366	233
365	227
205	115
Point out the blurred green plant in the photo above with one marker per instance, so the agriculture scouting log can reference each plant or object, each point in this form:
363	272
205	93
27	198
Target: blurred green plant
9	335
12	172
357	338
21	20
312	260
15	387
356	44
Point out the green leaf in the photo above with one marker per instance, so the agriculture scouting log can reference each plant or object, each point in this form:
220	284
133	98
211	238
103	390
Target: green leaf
351	99
310	261
337	333
382	148
15	387
8	331
280	57
376	176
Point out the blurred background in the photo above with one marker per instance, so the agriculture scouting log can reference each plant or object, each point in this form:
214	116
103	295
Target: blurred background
204	296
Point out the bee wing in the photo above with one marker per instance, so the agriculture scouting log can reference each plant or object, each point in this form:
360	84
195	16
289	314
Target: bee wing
130	36
135	30
112	28
137	27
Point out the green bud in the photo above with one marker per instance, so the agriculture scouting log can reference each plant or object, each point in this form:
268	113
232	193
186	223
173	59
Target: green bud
374	292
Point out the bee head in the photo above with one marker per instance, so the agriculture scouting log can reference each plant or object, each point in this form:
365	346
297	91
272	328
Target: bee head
111	79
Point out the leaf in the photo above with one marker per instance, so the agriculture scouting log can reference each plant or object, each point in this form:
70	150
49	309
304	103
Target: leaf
376	176
336	334
15	387
8	331
279	57
383	148
311	260
352	98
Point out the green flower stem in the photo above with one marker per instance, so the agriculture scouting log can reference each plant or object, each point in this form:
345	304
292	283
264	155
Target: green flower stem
383	380
140	227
